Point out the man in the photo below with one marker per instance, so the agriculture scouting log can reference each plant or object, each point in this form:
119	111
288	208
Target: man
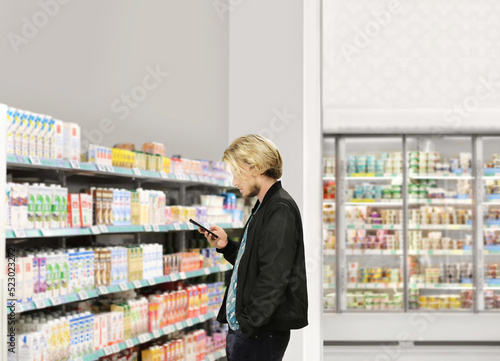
267	294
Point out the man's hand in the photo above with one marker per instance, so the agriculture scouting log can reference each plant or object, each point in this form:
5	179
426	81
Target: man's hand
220	242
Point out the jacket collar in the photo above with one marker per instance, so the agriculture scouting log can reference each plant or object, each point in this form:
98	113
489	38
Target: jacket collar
270	192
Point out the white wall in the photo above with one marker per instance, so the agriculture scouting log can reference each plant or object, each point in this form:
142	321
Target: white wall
91	52
266	90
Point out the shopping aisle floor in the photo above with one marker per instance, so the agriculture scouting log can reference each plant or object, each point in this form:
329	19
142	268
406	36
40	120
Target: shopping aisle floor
413	353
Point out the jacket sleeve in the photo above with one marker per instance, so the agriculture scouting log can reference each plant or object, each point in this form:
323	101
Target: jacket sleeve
277	246
230	251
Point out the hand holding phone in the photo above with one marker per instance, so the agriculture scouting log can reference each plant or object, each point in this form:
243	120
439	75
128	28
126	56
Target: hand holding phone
202	227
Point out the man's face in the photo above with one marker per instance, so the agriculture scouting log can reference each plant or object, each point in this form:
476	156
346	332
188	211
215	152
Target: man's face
247	183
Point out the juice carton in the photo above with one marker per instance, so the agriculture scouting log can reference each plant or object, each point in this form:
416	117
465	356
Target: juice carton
49	135
74	210
57	143
40	138
26	127
11	130
55	207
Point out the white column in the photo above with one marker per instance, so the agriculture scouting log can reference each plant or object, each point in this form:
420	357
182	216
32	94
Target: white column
3	178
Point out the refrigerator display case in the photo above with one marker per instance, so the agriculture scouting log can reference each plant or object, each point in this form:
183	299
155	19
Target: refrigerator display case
411	224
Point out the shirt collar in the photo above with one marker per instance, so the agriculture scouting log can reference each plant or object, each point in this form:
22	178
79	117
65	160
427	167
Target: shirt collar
274	188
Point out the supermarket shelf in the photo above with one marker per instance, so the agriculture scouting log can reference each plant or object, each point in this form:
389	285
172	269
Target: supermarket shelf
102	290
373	252
216	355
444	227
440	176
443	202
328	285
439	252
373	176
367	202
329	252
374	226
146	337
442	286
492	203
96	230
15	161
492	286
329	226
328	201
328	177
376	286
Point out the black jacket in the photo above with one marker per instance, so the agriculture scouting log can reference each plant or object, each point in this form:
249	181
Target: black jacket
272	288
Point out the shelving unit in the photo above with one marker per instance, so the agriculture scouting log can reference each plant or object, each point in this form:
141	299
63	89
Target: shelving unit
66	172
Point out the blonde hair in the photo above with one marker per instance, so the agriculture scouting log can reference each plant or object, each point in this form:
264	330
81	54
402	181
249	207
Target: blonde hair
257	152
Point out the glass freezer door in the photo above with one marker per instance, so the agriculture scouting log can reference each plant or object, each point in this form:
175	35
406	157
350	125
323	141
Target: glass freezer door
371	258
491	224
440	223
329	264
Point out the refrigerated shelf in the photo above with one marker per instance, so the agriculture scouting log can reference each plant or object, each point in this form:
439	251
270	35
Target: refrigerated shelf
443	202
373	252
365	202
374	286
436	176
396	227
440	252
441	286
441	227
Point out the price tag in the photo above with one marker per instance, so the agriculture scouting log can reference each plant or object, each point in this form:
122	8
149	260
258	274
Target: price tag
101	168
74	164
164	174
46	232
78	359
95	230
151	282
189	322
19	233
123	286
137	171
20	307
116	348
177	227
195	178
191	226
170	329
144	337
156	334
156	228
173	277
55	300
211	358
202	318
103	290
110	168
35	160
40	303
129	343
83	295
137	284
182	276
103	228
206	271
147	228
108	350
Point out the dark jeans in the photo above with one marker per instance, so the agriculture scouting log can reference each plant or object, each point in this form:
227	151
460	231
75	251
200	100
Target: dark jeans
266	346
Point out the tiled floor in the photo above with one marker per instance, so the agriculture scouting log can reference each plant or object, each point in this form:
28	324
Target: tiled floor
412	353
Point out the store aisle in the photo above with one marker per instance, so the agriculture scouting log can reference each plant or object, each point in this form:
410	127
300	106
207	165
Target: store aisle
412	353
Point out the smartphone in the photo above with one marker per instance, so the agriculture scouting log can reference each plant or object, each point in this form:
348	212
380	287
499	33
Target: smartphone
206	230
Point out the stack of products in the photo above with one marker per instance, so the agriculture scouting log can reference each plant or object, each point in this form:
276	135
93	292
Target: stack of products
129	354
329	189
191	347
37	135
433	162
491	300
375	192
442	302
374	300
215	296
329	213
58	336
328	239
492	189
494	162
493	216
372	275
328	274
440	215
388	163
427	189
492	273
329	166
360	239
435	240
369	215
445	273
222	209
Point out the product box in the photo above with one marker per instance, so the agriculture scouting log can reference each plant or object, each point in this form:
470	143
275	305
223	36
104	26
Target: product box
27	265
49	136
71	141
57	143
42	133
74	210
42	275
85	210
